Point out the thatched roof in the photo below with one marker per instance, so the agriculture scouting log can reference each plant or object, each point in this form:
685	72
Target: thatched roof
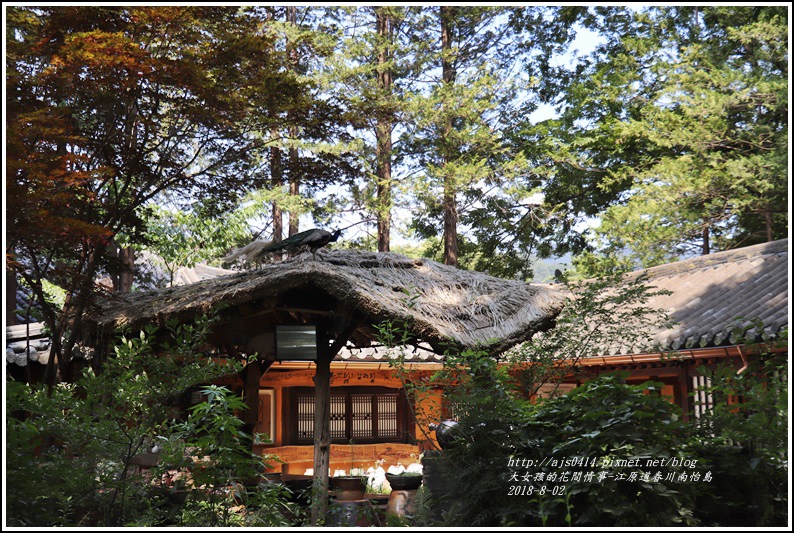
440	304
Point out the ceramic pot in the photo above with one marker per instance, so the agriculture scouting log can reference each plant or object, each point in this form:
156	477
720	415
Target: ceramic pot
348	488
401	503
447	431
403	481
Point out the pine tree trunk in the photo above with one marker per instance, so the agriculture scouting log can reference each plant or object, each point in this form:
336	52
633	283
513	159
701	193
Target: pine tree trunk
383	131
294	182
450	206
768	219
277	178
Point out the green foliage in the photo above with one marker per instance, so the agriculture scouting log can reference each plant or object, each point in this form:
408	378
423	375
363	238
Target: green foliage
595	316
454	135
492	401
489	410
47	489
111	106
744	436
656	470
445	133
182	239
224	471
72	450
603	420
587	265
423	509
54	297
674	135
675	127
369	73
606	420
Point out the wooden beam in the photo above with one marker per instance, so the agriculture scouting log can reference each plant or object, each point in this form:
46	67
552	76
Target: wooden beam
683	390
273	310
342	339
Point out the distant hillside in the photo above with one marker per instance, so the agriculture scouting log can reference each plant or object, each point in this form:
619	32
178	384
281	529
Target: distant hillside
543	269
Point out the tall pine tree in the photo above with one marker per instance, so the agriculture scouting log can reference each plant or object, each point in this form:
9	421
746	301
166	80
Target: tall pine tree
676	136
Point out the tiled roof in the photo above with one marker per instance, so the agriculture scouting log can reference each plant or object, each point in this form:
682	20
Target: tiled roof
30	343
420	354
714	294
26	305
27	342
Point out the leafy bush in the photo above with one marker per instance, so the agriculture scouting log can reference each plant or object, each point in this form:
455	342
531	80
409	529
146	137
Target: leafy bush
619	430
743	438
71	450
601	421
224	471
491	399
489	413
648	468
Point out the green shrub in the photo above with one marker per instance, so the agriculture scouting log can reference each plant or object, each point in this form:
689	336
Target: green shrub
70	450
489	412
743	438
624	434
505	439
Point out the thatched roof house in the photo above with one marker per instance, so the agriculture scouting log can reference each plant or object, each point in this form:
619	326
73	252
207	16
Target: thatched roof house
441	305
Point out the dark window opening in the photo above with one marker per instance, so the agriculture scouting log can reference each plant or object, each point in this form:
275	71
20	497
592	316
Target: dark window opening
358	414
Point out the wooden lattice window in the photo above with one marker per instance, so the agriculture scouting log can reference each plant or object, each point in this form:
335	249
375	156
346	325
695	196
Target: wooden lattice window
703	399
360	414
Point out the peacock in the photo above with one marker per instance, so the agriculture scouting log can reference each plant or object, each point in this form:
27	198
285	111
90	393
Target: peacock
314	239
251	252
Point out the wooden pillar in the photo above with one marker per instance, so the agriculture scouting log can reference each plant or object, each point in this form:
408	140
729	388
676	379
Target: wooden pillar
322	416
322	431
252	373
683	389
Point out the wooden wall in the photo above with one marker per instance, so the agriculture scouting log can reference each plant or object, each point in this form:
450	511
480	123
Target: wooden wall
296	459
675	376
